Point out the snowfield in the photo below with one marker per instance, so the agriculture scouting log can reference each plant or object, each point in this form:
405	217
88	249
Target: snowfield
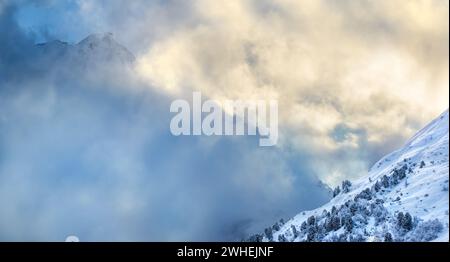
404	197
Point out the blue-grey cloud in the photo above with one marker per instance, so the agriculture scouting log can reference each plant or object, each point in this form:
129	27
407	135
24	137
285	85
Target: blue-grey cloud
85	150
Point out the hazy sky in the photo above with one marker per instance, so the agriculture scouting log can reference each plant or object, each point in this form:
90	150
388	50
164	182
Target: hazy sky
354	80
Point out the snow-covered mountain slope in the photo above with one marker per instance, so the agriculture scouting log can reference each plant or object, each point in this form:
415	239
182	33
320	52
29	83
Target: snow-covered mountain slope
404	197
103	47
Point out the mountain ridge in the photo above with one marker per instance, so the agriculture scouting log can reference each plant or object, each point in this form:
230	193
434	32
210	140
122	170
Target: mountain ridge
95	48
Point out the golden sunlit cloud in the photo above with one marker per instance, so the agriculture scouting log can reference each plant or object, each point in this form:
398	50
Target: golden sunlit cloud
377	66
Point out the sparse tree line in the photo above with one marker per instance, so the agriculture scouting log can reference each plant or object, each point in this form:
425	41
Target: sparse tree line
348	222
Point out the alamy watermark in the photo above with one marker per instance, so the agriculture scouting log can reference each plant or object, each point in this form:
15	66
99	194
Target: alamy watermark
229	117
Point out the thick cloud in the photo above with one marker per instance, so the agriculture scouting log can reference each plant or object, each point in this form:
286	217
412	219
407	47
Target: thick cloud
353	80
86	150
367	65
91	154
